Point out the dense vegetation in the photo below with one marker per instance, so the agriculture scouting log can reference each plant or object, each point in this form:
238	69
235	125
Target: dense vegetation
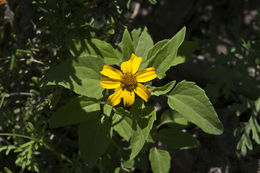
51	52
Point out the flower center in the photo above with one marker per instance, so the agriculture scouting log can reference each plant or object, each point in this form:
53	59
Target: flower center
128	81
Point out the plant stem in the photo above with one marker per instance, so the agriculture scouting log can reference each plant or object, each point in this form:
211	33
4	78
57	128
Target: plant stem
60	156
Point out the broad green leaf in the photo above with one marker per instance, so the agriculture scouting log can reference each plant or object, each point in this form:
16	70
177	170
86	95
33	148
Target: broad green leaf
122	124
142	124
165	57
77	110
144	44
176	139
157	91
127	45
157	47
160	160
81	75
153	51
171	116
94	139
95	47
186	49
135	33
192	103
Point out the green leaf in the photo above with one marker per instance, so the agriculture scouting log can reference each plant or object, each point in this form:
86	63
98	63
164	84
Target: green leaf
171	116
144	44
160	160
122	124
152	1
127	45
153	51
135	33
176	139
252	125
192	103
129	163
157	91
77	110
94	139
245	141
95	47
81	75
142	124
107	109
165	56
186	49
7	170
117	170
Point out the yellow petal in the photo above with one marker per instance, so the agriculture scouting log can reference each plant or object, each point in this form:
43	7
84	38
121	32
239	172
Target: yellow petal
136	61
128	97
142	92
116	97
111	72
109	83
132	65
126	67
146	75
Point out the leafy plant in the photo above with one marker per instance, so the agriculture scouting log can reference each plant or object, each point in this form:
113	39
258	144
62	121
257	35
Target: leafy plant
132	131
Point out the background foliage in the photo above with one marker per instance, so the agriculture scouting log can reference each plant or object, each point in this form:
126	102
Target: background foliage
35	36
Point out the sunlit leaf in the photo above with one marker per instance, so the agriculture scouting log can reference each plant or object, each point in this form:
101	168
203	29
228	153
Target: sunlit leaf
171	116
127	45
144	44
157	91
192	103
122	124
81	75
160	160
165	53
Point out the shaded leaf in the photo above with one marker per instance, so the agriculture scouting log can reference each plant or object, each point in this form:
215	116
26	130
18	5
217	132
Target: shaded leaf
77	110
94	139
142	124
95	47
186	49
176	139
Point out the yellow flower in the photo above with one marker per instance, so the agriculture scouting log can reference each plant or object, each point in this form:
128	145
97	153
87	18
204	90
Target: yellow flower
128	82
2	2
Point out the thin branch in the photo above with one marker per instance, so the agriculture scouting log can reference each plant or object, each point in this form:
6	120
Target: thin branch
22	94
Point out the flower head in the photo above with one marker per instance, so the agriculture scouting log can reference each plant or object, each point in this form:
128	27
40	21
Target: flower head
2	2
128	81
